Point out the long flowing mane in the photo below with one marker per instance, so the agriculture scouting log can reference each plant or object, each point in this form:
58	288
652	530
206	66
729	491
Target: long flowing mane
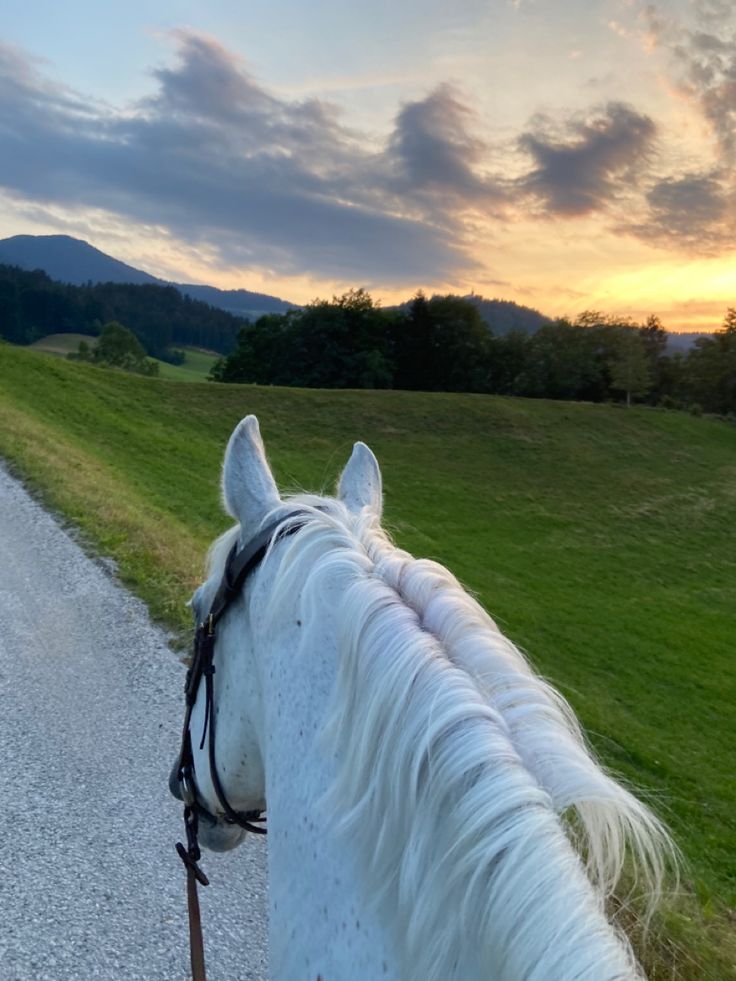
462	775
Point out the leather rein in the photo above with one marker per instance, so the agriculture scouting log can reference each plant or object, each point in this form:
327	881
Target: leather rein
239	565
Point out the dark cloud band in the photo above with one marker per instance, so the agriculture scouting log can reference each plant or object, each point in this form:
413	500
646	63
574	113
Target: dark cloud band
580	171
217	159
285	185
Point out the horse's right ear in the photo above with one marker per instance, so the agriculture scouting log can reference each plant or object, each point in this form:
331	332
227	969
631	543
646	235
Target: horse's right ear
248	488
360	483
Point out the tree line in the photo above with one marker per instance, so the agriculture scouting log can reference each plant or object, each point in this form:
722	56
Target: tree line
33	305
442	344
117	347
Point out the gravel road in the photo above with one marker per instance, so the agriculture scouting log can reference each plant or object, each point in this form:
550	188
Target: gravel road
90	711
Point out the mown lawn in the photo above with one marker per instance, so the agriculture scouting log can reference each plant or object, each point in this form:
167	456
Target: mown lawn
602	540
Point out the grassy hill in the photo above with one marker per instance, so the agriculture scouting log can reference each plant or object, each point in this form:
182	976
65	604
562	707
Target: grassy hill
195	368
601	539
63	344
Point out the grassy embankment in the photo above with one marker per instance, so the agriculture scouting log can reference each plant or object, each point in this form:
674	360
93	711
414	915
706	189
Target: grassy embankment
195	368
600	538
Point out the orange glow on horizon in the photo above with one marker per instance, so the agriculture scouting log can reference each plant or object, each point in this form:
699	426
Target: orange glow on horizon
558	269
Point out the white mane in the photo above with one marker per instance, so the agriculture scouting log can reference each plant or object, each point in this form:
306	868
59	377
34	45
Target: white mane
463	776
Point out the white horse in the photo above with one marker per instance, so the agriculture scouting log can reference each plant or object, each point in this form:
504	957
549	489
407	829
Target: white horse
433	810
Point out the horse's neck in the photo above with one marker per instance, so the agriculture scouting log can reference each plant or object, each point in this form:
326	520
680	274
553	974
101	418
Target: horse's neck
320	925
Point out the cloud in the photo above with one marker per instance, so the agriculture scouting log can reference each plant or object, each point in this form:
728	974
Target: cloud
713	12
709	76
217	160
703	60
583	169
210	83
436	149
692	211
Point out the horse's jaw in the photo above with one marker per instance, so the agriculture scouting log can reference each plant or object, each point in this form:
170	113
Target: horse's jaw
213	834
220	837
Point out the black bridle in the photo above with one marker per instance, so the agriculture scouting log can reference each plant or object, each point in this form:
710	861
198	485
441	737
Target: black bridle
239	565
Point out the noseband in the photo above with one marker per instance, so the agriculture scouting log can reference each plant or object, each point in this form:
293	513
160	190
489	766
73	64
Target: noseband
238	567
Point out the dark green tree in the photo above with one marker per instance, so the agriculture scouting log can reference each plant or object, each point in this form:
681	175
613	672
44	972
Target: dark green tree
12	327
118	347
442	344
654	339
729	321
567	361
628	364
711	368
342	343
509	356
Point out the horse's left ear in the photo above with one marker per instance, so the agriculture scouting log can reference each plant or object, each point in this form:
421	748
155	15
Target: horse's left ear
248	488
360	484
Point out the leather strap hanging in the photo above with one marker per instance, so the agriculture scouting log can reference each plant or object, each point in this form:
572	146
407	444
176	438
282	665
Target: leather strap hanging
196	943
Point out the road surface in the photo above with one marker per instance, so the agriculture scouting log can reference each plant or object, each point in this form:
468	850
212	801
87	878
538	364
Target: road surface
90	712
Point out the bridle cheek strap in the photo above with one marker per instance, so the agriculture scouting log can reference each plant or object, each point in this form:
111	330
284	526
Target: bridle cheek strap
238	567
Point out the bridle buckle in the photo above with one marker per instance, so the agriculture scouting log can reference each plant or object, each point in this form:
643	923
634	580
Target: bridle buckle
186	785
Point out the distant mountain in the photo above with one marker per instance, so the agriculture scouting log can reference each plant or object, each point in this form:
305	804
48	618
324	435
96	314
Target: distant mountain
501	315
71	260
241	303
505	315
682	342
68	260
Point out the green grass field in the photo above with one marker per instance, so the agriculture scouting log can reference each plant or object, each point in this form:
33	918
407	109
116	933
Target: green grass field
196	368
601	539
62	344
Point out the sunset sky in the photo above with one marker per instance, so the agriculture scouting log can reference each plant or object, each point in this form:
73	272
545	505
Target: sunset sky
569	156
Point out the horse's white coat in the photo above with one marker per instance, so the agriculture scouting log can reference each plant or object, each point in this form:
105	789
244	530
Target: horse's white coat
415	769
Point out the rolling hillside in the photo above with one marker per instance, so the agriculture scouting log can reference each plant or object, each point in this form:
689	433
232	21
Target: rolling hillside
601	539
196	368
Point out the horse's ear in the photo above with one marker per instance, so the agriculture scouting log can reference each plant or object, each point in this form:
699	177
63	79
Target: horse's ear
360	484
248	488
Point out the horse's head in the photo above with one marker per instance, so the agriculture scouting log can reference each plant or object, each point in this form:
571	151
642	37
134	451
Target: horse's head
354	687
234	708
